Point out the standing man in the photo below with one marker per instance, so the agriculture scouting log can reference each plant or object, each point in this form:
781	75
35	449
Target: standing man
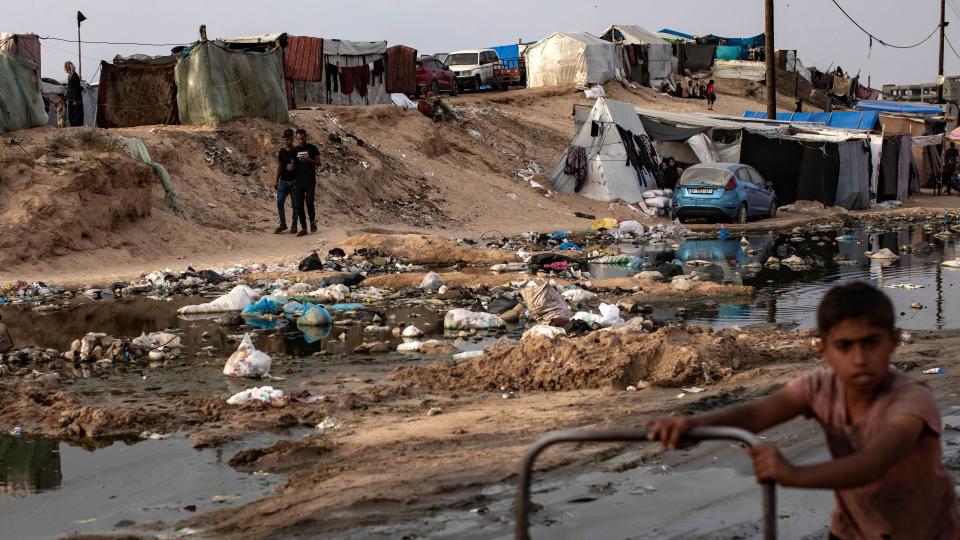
305	185
950	156
286	175
74	95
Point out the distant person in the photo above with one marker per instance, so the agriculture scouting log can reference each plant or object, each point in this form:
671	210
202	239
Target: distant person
305	184
883	427
61	107
661	182
671	175
286	175
685	92
6	342
711	94
950	156
798	106
74	95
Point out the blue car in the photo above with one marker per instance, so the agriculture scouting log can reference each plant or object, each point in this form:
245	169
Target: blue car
723	191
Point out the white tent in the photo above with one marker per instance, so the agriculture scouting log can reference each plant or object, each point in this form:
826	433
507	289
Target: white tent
576	58
615	168
660	61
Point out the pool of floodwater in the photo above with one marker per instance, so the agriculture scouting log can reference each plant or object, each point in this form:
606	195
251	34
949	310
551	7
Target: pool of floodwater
131	316
49	487
791	296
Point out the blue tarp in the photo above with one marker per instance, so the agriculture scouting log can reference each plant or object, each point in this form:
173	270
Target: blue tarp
728	52
743	43
899	107
507	52
676	33
862	120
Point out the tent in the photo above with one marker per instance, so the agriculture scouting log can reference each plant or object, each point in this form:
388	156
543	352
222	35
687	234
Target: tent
667	33
695	57
26	46
21	105
611	157
735	48
575	58
652	55
895	159
216	85
831	169
859	120
137	91
354	73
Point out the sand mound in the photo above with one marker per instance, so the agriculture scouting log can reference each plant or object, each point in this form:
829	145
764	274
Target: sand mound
656	291
426	249
609	359
54	203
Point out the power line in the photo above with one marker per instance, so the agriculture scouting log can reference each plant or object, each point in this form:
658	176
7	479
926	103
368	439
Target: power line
113	42
951	46
882	42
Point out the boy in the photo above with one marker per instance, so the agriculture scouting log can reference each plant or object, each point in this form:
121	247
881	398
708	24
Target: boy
286	174
882	428
305	184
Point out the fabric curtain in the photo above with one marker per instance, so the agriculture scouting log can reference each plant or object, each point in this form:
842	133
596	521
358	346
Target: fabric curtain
137	94
853	183
303	58
401	70
21	105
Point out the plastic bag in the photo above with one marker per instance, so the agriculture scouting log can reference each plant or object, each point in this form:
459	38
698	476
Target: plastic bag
545	330
331	294
431	282
464	319
609	316
156	340
314	315
266	394
310	263
569	246
577	297
293	308
631	227
545	303
604	223
658	202
345	307
884	254
238	298
261	307
247	361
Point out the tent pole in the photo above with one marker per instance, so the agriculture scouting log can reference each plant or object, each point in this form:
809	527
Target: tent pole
771	61
940	64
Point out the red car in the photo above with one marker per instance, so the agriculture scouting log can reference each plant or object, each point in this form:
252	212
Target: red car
434	76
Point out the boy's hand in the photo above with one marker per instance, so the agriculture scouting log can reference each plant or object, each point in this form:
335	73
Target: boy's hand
670	431
770	465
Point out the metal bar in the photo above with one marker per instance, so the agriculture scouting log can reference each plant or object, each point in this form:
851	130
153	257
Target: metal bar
522	525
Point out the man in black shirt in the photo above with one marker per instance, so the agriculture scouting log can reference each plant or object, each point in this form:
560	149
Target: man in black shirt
286	174
305	184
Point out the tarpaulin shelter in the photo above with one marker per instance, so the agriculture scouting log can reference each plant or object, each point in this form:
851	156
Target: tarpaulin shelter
216	85
576	58
665	32
695	56
137	91
859	120
834	170
743	45
611	157
926	145
21	105
652	57
401	70
902	107
26	46
689	145
90	96
354	73
895	159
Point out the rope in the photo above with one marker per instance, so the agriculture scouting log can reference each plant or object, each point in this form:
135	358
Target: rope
882	42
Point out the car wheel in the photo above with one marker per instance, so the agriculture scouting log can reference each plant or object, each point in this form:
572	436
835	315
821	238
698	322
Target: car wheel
773	209
454	88
476	83
742	214
681	219
435	88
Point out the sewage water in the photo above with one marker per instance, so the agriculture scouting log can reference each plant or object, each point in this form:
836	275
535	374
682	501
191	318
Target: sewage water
49	487
791	296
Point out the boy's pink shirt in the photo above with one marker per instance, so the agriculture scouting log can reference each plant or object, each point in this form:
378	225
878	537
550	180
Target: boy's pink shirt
915	498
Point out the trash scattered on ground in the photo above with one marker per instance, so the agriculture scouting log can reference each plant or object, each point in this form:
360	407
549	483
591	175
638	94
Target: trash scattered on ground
934	371
247	361
263	394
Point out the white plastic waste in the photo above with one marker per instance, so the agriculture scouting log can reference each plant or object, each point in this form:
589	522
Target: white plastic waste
265	394
609	316
884	253
577	297
509	267
331	294
595	92
247	361
238	298
649	274
681	284
951	264
299	289
431	282
466	354
658	202
631	227
464	319
410	346
544	302
547	331
411	332
155	340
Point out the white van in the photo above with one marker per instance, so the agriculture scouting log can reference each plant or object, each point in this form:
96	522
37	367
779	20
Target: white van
474	67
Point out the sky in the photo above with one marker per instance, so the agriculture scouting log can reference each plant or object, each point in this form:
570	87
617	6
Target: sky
815	28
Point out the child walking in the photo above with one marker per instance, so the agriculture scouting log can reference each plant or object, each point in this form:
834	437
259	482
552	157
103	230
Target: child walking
882	428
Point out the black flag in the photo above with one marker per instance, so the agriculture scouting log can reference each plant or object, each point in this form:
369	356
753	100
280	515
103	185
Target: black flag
80	17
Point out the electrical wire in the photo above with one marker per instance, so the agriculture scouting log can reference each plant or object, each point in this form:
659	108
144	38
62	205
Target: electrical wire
112	42
951	46
882	42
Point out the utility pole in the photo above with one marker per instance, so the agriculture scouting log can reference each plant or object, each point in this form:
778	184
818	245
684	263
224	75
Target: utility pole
943	24
80	19
772	63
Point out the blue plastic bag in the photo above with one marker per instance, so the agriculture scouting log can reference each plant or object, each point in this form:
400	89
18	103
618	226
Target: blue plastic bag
569	246
261	307
314	315
345	307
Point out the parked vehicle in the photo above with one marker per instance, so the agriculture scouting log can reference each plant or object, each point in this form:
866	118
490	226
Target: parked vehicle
435	76
474	67
723	191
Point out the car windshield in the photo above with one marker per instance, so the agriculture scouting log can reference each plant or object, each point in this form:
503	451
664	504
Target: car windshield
713	177
463	59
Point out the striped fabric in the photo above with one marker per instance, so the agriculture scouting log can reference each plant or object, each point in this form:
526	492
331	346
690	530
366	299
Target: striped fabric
303	58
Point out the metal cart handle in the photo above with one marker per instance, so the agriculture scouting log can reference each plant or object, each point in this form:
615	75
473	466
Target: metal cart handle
522	532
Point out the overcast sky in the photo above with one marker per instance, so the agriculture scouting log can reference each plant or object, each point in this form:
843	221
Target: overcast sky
815	28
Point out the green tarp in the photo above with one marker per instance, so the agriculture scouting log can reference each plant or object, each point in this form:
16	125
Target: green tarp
216	85
21	105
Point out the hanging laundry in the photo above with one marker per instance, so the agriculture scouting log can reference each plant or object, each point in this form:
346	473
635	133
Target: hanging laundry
333	75
378	71
346	80
576	166
361	78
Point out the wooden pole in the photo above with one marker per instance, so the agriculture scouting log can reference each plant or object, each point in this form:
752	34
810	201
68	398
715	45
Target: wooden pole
940	64
771	61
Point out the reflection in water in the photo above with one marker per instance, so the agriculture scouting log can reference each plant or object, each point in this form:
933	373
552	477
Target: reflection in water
28	464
